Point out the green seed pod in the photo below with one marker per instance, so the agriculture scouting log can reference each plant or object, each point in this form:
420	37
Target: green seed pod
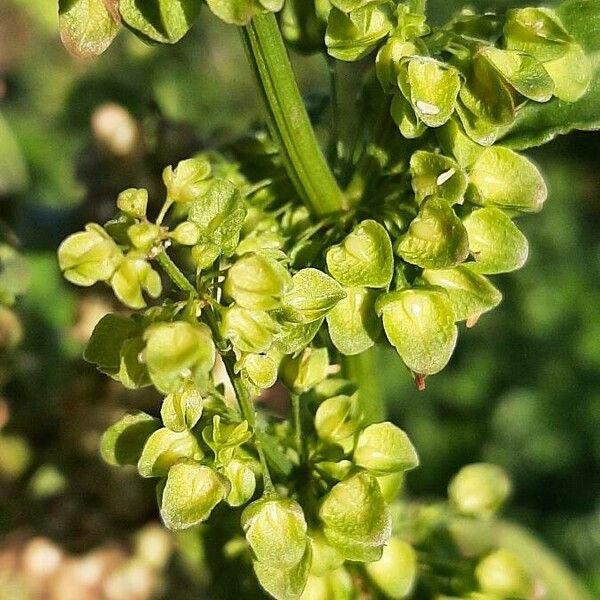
336	420
384	448
257	282
248	330
536	31
312	295
133	276
437	175
456	142
495	242
188	180
351	36
177	351
335	585
387	63
242	480
395	572
276	531
144	235
182	409
164	448
225	438
501	177
133	202
364	258
261	369
501	573
186	234
189	495
470	294
434	87
404	116
420	324
305	371
478	129
436	238
89	256
122	443
571	74
391	485
325	557
355	519
479	489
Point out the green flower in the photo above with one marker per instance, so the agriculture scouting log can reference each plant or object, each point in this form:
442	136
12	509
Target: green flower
133	276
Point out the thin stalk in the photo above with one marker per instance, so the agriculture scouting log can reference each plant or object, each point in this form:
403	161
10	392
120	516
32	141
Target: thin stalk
334	86
287	118
174	273
297	426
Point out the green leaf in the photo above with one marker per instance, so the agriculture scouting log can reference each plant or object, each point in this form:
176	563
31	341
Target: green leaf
312	296
434	88
164	21
437	175
284	584
87	27
396	571
353	324
523	72
123	442
356	521
436	238
537	124
104	347
503	178
275	529
495	242
383	448
470	294
364	258
420	324
220	214
190	494
133	373
352	36
164	448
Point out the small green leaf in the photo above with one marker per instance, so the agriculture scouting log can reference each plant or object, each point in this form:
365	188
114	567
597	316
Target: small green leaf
364	258
220	214
352	36
133	373
276	531
436	238
437	175
164	21
312	295
420	324
396	571
353	324
523	72
470	294
383	448
104	346
284	584
503	178
434	87
495	242
87	27
356	521
164	448
123	442
189	495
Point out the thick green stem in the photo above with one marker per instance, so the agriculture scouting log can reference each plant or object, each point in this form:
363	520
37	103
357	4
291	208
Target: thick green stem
287	117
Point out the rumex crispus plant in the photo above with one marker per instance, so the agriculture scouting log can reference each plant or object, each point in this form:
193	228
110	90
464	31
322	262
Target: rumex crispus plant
265	263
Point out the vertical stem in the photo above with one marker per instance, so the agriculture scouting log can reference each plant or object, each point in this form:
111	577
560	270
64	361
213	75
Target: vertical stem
287	117
363	369
297	425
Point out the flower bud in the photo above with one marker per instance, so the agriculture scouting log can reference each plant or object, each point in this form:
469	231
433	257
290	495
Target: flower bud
133	202
186	234
187	181
479	489
276	531
384	448
336	419
134	275
242	480
501	573
182	409
395	572
190	493
248	330
261	369
303	372
256	282
144	235
89	256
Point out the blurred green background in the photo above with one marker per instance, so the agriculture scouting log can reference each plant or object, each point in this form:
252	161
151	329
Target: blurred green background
523	389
